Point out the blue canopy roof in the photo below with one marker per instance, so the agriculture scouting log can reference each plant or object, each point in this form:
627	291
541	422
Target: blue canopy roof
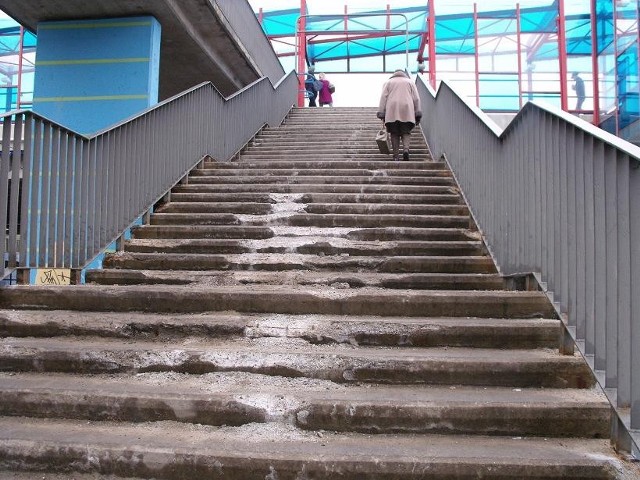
377	33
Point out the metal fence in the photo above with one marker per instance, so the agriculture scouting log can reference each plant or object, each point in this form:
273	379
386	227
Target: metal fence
240	19
76	194
555	196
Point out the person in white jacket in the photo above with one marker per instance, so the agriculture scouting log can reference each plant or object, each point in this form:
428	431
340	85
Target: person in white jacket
400	111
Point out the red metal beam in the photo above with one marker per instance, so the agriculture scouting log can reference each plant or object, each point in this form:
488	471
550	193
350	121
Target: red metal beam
302	51
562	56
432	43
615	78
595	66
20	59
519	40
476	54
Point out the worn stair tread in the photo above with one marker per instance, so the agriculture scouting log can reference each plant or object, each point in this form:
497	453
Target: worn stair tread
328	164
195	207
311	198
283	347
281	299
428	281
233	399
320	172
310	245
249	232
316	188
297	261
296	358
265	449
292	218
257	179
320	329
250	387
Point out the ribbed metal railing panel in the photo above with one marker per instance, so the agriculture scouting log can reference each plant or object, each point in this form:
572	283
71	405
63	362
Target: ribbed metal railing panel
79	194
254	41
560	198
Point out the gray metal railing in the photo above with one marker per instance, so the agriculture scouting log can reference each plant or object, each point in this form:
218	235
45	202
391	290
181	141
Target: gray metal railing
78	194
241	21
555	196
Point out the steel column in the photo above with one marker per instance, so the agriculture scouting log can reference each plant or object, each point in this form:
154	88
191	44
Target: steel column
519	40
432	43
562	56
476	54
20	66
302	51
594	63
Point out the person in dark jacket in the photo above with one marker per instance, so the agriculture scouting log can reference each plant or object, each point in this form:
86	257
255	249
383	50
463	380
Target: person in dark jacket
400	111
310	87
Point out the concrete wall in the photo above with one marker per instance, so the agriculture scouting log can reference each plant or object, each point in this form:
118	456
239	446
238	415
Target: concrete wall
91	74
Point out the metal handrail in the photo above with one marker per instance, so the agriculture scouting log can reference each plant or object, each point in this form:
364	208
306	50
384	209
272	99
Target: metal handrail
557	197
78	194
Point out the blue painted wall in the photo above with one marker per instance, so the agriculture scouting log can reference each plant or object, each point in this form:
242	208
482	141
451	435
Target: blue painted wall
91	74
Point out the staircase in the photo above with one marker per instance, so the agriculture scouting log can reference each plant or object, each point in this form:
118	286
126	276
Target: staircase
311	310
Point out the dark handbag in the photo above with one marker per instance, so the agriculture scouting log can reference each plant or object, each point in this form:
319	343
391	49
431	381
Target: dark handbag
382	139
332	88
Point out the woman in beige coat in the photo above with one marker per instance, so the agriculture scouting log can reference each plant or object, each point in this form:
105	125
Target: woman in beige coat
400	111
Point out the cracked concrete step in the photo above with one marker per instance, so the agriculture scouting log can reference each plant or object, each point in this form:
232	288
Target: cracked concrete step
296	155
366	147
323	180
327	172
361	139
314	220
374	409
256	262
322	164
337	363
175	451
326	198
314	329
306	245
287	299
127	275
252	232
316	208
317	188
218	231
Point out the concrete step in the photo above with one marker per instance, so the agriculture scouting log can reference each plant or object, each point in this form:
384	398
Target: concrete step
297	155
316	209
325	164
294	261
362	138
153	275
249	232
286	299
216	232
326	198
318	188
317	172
511	333
213	399
288	218
322	180
450	366
364	149
306	245
175	451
